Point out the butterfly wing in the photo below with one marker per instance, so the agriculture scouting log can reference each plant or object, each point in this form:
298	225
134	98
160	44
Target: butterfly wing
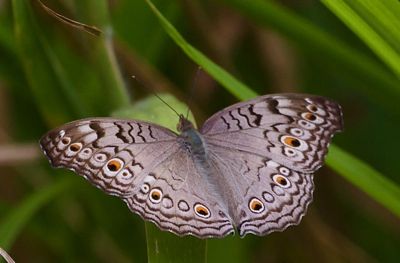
143	164
266	151
262	195
288	128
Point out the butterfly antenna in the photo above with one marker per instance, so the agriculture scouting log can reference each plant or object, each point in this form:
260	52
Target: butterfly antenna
163	101
199	69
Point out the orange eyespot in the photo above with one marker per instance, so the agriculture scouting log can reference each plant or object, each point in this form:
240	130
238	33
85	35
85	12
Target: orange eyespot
75	147
309	116
114	165
312	108
290	141
66	140
201	210
281	180
256	205
155	195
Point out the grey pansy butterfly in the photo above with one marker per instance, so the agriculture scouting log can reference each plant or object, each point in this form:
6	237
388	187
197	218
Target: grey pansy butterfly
250	167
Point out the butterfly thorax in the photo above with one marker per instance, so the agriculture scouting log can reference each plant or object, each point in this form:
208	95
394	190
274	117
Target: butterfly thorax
191	139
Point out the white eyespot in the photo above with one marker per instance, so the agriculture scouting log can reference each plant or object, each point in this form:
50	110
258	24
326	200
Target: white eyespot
85	153
256	206
126	174
202	211
61	134
306	124
312	117
100	157
281	180
297	132
289	152
145	188
285	171
156	196
114	165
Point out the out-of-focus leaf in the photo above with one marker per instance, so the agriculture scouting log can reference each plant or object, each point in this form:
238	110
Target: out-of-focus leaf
13	222
377	23
224	78
366	178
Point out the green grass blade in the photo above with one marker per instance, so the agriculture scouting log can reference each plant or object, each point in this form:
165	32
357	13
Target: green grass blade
366	178
317	41
225	79
377	23
12	223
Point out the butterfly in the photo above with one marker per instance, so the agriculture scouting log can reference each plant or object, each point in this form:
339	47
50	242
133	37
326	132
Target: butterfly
248	169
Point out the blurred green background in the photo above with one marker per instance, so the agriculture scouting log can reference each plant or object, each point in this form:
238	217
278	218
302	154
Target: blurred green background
51	73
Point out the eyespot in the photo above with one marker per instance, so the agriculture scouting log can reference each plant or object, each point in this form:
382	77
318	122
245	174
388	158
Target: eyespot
290	141
289	152
114	165
309	116
100	157
75	147
281	180
312	108
61	134
256	205
145	188
125	173
156	196
306	124
285	171
202	211
297	132
312	117
87	151
66	140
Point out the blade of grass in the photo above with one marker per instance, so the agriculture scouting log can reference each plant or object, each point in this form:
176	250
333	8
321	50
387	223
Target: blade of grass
370	181
377	23
317	41
13	222
234	86
366	178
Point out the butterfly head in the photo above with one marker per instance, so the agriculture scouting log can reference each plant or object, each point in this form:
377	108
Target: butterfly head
184	124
